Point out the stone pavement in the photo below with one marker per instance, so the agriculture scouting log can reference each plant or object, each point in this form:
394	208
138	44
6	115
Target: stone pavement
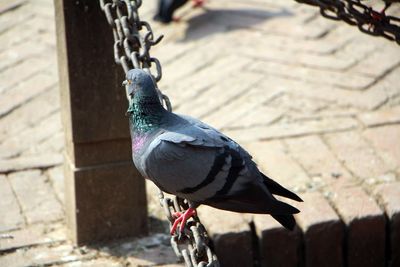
315	101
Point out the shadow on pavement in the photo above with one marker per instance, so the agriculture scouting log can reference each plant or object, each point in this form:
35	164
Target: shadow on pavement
214	21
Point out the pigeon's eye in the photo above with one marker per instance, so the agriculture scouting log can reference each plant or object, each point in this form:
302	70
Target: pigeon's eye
129	81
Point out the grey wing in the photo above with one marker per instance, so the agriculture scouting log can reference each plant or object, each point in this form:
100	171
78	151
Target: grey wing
204	166
192	160
216	134
186	165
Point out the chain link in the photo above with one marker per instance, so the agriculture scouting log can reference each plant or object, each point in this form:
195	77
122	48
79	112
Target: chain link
133	39
355	13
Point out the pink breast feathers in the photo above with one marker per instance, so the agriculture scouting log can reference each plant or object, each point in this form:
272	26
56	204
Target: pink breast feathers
138	142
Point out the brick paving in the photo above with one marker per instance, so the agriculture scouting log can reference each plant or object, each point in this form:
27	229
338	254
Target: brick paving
315	101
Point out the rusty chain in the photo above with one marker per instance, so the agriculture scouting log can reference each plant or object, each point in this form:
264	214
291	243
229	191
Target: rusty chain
355	13
133	39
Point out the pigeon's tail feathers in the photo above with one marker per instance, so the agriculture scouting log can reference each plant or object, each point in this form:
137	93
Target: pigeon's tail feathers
282	208
286	221
275	207
277	189
253	199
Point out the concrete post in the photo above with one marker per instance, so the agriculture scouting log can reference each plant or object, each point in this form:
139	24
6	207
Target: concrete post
105	195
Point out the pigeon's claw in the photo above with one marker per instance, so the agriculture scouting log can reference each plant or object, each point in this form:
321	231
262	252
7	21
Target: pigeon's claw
198	3
177	214
379	16
182	219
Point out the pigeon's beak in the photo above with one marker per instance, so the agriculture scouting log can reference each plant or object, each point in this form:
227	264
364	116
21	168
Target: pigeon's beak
127	82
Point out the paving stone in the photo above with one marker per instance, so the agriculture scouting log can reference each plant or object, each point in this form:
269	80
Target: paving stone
389	197
365	222
330	111
328	45
13	76
32	235
235	110
48	40
45	24
359	46
228	229
153	256
385	141
56	176
281	26
178	69
19	95
188	88
43	10
210	101
29	114
381	117
297	58
52	145
319	162
172	265
238	15
21	142
357	155
6	6
98	262
295	129
43	256
377	63
9	205
298	104
19	53
14	17
172	51
9	38
278	246
36	197
369	99
30	162
323	231
273	160
387	82
340	79
252	118
200	27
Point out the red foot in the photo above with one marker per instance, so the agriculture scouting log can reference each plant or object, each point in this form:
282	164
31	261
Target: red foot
378	16
182	218
198	3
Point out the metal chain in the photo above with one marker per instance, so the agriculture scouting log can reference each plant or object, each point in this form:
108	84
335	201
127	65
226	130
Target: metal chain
355	13
133	39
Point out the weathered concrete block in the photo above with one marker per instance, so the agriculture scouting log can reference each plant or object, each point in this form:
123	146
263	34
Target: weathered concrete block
278	247
105	195
323	232
105	203
389	196
231	235
365	240
98	153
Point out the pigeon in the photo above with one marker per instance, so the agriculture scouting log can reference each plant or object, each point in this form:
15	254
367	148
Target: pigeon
166	9
188	158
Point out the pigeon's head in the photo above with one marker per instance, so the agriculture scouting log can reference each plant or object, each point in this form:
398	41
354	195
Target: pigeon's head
140	85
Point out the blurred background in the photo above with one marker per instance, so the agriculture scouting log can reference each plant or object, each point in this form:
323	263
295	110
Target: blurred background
315	101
